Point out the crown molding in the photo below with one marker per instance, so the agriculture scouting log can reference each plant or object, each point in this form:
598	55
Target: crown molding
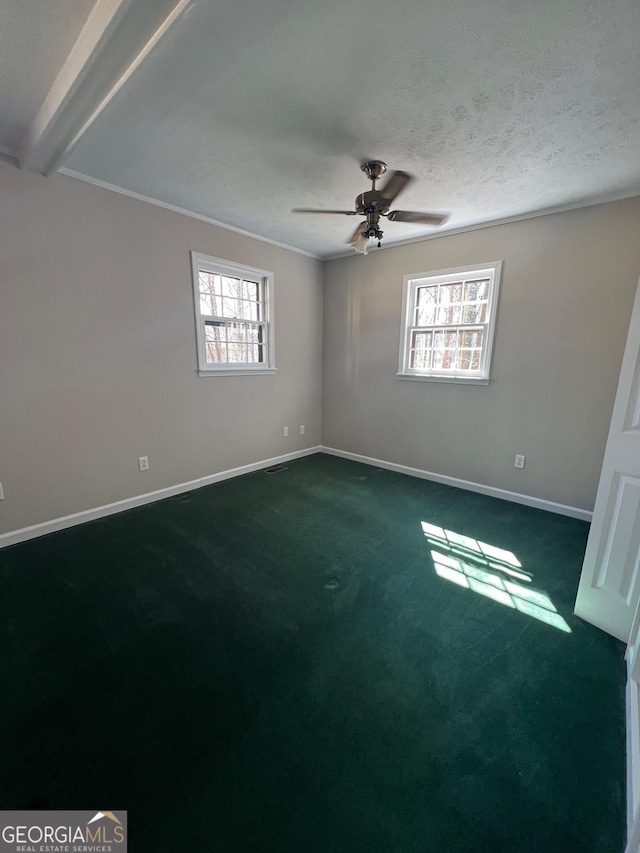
520	217
79	176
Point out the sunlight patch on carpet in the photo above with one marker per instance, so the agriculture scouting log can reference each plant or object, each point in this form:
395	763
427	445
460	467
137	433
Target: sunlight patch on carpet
462	560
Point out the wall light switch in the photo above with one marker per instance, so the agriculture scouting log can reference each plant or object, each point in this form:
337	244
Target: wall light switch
301	429
285	431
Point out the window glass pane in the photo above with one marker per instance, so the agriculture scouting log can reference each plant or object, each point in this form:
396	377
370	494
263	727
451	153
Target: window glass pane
471	337
421	340
421	359
231	287
229	290
231	308
474	291
421	350
215	342
465	357
448	359
474	313
208	304
255	353
468	359
237	353
250	310
251	290
450	314
450	299
255	334
236	332
444	350
216	353
214	331
208	282
426	306
451	293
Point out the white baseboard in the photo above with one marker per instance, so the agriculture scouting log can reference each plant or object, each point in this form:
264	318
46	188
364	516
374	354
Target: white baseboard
35	530
492	491
15	536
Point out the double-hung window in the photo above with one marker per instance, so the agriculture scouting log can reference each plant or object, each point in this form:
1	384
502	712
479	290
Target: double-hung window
234	317
448	321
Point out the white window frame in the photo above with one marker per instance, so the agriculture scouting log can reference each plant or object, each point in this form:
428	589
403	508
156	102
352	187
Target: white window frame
492	271
207	263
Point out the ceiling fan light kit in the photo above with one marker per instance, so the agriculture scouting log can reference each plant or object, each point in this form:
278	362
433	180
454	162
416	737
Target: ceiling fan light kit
376	203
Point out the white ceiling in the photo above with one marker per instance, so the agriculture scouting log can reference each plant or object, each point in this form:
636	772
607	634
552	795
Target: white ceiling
245	110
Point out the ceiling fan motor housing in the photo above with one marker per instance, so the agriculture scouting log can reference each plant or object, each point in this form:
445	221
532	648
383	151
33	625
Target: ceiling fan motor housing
372	205
371	202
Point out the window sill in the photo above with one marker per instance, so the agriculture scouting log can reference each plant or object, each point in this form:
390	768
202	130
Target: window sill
257	372
451	380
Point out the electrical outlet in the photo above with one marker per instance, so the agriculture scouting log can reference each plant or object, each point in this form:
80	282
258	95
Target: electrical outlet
520	460
143	463
285	431
301	429
1	493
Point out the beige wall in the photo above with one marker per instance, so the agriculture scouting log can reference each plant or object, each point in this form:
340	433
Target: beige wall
98	357
567	290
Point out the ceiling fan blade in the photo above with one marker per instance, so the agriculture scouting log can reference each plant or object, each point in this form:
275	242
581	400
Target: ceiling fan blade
395	184
314	210
418	217
357	234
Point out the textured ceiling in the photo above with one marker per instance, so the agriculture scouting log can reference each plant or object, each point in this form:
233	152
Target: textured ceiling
500	108
35	39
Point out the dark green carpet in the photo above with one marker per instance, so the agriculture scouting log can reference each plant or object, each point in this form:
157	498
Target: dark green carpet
272	664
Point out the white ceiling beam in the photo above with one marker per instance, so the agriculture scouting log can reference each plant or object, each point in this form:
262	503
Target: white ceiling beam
116	38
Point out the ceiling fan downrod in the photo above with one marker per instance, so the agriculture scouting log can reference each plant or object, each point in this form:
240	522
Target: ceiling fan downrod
368	203
374	169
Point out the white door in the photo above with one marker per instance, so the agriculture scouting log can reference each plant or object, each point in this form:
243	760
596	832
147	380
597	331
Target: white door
633	738
609	588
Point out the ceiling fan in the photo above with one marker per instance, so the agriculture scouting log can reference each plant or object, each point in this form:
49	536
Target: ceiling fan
376	203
